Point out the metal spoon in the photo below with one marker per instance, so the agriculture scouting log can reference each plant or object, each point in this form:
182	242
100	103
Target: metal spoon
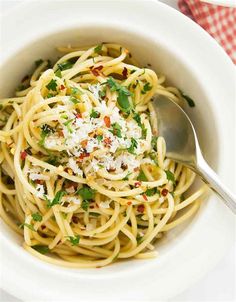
182	145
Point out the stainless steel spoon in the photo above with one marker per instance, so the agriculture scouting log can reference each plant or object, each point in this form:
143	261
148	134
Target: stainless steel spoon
182	145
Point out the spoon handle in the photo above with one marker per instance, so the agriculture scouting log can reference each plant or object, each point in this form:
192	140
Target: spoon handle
212	179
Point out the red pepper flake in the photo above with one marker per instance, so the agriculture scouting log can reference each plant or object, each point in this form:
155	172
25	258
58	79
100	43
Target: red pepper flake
107	121
129	203
164	192
62	87
23	155
96	70
137	184
84	143
140	208
111	169
60	133
75	219
78	115
107	141
125	72
39	181
83	155
43	227
145	197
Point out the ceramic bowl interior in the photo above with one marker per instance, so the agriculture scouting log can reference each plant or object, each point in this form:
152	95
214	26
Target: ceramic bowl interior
145	50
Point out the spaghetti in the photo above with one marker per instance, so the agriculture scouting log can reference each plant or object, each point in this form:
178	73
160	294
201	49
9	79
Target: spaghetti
83	170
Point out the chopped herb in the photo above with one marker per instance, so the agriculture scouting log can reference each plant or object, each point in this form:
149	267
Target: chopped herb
42	249
146	88
116	130
99	138
76	91
144	131
142	176
29	226
153	156
68	125
154	142
49	95
86	193
58	73
94	214
102	93
133	146
65	65
190	101
38	62
74	100
98	49
132	71
45	130
123	94
94	114
37	217
74	240
139	239
85	205
127	176
151	192
56	199
52	85
53	160
170	176
137	118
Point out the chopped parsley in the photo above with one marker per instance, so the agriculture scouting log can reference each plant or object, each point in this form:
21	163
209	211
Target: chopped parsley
147	87
127	176
74	240
76	91
74	100
99	138
123	94
154	142
152	191
139	239
170	176
94	214
29	226
85	205
68	125
45	131
65	65
116	130
94	114
133	146
86	193
42	249
142	176
52	85
37	217
190	101
58	73
56	199
137	118
38	62
53	160
98	48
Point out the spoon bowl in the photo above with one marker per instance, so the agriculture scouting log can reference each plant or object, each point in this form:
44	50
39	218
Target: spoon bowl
182	145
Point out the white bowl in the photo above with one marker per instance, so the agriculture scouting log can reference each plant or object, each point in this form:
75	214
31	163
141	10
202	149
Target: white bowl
192	61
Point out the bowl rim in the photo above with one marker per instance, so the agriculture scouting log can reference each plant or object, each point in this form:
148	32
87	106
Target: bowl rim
227	66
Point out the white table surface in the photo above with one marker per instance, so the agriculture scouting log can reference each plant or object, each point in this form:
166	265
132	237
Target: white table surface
218	285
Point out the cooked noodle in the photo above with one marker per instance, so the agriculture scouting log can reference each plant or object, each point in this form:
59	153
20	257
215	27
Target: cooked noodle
83	171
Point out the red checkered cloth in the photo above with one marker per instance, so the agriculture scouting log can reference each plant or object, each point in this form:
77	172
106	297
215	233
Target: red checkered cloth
218	21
